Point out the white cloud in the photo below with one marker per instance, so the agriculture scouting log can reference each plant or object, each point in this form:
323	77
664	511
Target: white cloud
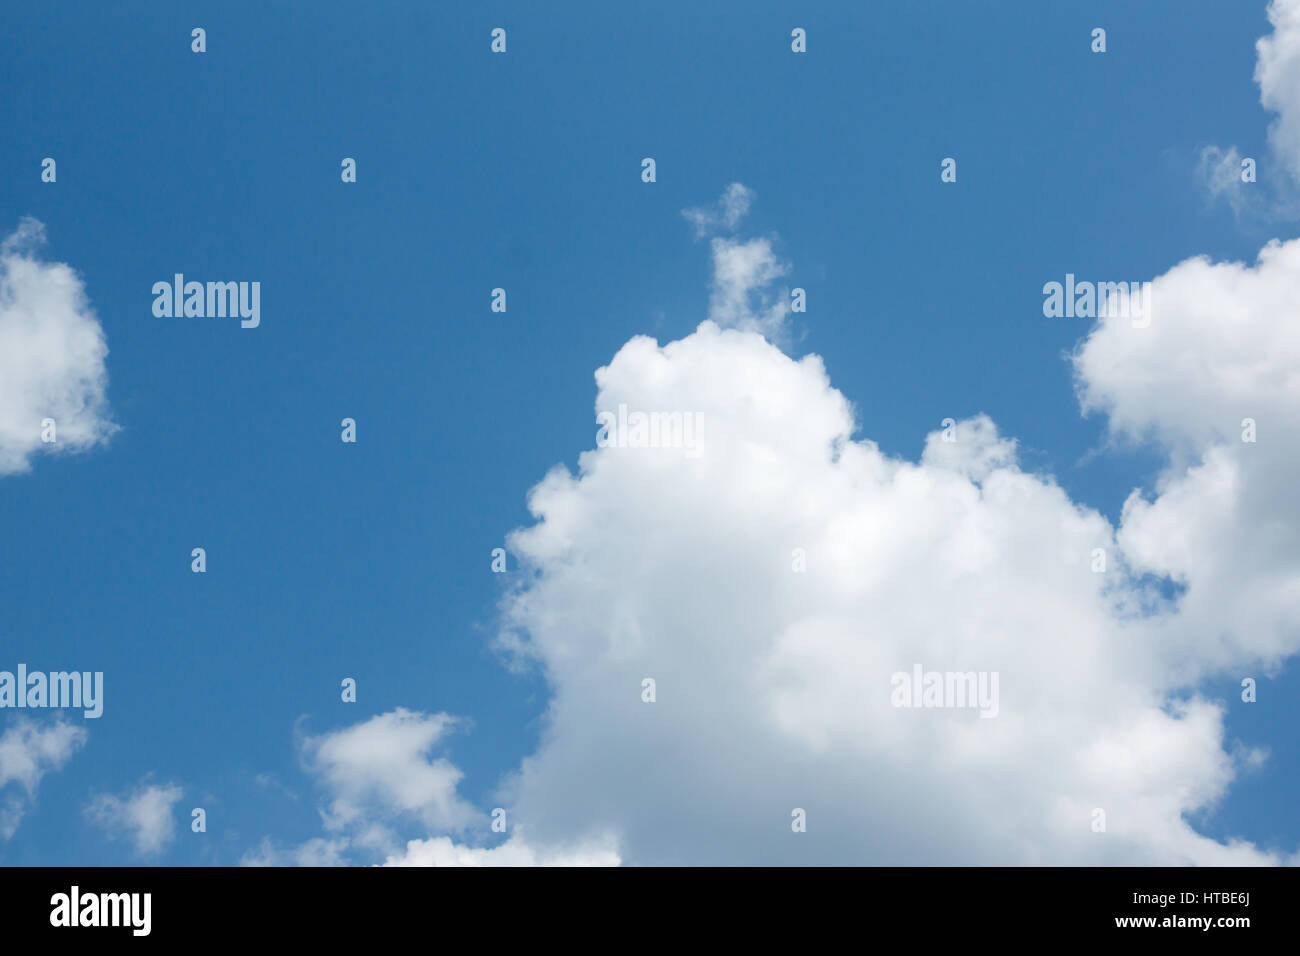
379	776
144	817
774	686
28	751
1220	171
1277	71
382	768
1223	346
731	207
52	352
742	297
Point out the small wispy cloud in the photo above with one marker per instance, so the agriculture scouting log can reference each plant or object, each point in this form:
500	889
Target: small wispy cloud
28	751
725	214
744	270
743	296
381	775
144	817
383	770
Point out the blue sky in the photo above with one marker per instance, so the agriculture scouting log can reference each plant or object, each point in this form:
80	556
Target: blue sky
329	560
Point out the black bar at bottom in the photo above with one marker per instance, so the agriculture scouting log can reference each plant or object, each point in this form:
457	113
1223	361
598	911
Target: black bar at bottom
648	907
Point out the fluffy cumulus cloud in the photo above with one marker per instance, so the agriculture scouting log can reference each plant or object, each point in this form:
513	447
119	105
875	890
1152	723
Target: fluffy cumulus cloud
52	352
145	817
775	579
774	684
28	751
776	585
1214	382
